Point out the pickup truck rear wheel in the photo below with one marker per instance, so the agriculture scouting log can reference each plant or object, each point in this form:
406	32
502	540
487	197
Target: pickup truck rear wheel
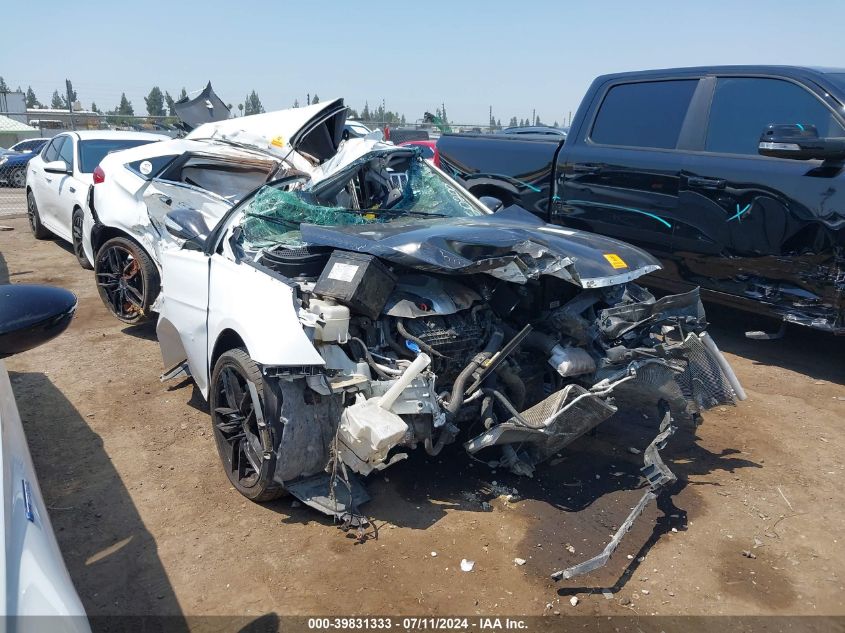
127	279
246	432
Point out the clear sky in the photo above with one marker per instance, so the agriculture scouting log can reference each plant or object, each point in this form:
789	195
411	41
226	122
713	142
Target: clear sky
516	55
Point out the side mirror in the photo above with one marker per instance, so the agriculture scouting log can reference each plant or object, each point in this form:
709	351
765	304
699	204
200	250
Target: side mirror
31	315
799	142
57	167
491	202
187	225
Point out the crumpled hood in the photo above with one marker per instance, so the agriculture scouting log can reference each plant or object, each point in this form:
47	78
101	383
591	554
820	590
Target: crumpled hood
513	245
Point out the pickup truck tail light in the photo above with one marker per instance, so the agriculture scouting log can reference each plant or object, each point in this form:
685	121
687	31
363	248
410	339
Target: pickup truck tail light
99	175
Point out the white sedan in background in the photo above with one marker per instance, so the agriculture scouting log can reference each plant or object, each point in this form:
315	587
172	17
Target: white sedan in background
57	181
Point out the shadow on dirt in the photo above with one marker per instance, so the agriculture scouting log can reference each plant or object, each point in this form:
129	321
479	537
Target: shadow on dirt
574	503
145	331
811	352
110	555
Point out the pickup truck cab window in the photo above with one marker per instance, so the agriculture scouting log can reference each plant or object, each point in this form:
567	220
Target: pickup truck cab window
743	106
644	114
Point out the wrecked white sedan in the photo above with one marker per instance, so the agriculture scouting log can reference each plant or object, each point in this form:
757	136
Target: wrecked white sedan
209	170
337	321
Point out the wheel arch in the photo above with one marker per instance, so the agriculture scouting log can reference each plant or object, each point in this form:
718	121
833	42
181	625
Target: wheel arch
226	340
101	233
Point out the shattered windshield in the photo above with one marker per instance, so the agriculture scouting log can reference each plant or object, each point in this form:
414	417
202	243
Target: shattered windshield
386	186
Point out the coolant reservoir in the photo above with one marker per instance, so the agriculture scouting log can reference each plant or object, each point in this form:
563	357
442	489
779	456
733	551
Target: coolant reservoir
336	318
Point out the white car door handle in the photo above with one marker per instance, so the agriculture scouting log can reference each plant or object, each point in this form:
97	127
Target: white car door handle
72	190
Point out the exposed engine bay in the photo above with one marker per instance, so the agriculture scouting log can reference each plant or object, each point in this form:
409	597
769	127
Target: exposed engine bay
495	331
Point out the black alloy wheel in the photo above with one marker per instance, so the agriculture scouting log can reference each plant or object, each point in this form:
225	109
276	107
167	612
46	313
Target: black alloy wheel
127	280
243	428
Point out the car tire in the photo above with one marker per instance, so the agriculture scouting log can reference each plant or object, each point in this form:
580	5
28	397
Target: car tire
127	279
18	178
35	225
76	222
247	449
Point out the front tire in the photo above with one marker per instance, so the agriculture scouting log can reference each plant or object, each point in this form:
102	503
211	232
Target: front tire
246	441
76	223
127	279
35	225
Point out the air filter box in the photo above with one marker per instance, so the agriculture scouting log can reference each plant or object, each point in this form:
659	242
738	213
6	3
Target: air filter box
357	280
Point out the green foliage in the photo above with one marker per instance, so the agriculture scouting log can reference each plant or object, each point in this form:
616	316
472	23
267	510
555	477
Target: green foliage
125	106
3	86
171	103
94	108
155	102
57	102
31	100
252	105
315	99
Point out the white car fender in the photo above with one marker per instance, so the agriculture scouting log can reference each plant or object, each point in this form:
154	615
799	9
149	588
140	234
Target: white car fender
261	309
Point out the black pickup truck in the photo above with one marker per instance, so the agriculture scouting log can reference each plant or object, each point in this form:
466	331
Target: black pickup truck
733	176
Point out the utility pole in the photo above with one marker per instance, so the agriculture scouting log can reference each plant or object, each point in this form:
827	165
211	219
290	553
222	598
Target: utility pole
69	103
534	117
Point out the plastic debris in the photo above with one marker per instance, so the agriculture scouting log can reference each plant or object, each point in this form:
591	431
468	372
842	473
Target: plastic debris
519	561
433	554
467	565
573	601
749	554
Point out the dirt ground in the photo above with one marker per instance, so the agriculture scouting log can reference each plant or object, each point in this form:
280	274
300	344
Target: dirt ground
149	525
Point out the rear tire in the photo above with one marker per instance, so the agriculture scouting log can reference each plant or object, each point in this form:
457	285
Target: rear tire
247	449
76	222
127	279
18	178
35	225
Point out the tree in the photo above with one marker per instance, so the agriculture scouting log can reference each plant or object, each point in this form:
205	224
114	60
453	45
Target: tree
182	95
513	122
94	108
31	99
443	114
352	113
171	103
125	106
315	99
252	105
556	124
366	115
57	102
296	103
155	102
3	86
241	108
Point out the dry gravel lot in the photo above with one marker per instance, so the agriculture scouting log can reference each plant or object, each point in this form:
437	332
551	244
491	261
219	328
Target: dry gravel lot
149	525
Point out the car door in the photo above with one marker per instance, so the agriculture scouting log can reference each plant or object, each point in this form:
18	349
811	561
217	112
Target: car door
621	176
182	324
66	188
752	226
41	182
162	196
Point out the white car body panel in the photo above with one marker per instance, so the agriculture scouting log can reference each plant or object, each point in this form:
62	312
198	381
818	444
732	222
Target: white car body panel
203	300
36	581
